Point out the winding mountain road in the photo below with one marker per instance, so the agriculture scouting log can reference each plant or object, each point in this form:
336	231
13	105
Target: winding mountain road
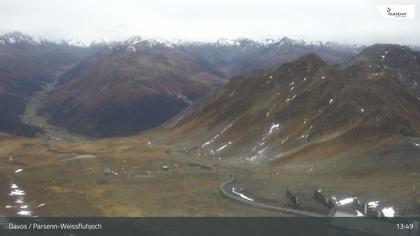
227	190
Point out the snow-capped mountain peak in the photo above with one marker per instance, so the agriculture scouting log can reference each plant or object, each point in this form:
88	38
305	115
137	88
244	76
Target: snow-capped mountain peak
226	42
288	42
19	38
77	42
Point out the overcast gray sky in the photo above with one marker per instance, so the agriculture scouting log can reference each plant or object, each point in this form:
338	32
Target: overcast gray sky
350	21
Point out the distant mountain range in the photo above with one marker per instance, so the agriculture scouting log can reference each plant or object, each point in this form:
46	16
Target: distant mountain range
123	88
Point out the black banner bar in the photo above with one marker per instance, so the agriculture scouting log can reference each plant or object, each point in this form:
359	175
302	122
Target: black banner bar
214	226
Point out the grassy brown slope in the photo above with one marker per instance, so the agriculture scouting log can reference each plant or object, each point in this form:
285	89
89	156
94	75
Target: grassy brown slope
85	187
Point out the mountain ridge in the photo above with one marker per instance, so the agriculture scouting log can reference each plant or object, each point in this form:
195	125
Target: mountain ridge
112	78
181	73
301	104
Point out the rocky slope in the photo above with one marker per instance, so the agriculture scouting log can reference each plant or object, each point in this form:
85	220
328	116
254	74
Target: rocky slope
304	109
402	62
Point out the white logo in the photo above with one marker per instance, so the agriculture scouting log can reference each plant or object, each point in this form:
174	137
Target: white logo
397	11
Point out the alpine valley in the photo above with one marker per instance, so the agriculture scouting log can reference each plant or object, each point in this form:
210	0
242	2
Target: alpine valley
147	127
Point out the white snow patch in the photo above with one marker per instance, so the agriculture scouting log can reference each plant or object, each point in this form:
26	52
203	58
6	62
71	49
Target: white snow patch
345	201
262	150
24	213
373	204
217	135
17	192
290	99
388	212
78	157
253	158
242	195
207	143
283	140
223	147
273	128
